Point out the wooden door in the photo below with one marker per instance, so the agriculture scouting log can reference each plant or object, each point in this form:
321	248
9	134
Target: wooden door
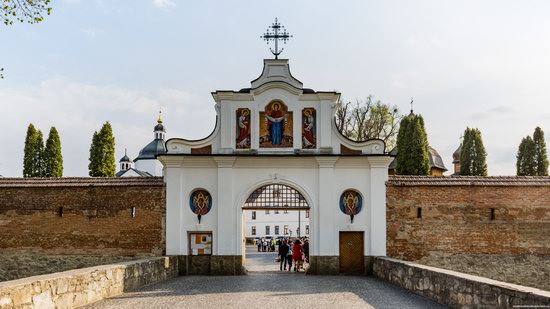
352	259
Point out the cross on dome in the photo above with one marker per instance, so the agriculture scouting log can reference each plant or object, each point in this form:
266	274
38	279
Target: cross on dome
279	33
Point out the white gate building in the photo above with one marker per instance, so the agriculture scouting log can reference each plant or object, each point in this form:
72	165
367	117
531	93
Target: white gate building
276	132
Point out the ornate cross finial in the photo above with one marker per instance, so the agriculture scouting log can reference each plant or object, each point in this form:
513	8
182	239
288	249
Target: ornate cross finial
159	120
412	100
279	33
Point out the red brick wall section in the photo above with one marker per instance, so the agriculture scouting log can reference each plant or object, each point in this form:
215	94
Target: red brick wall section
456	216
97	216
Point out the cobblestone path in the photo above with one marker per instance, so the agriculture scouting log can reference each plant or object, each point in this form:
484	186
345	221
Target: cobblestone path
266	287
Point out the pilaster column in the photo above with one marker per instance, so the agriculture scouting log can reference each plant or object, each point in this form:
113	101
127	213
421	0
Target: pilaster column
323	214
225	241
377	196
176	241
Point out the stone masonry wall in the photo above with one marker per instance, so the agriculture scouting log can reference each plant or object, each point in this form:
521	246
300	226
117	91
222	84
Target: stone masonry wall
456	216
80	287
86	216
458	290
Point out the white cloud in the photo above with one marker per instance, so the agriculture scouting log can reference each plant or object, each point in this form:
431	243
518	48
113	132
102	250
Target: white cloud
163	3
77	109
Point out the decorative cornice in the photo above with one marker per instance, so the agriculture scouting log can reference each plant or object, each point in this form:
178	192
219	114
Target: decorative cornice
225	162
326	161
380	161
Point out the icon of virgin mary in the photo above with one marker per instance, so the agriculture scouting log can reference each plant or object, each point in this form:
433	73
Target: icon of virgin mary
276	123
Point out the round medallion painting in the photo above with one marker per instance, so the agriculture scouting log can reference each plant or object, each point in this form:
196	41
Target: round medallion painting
200	202
351	202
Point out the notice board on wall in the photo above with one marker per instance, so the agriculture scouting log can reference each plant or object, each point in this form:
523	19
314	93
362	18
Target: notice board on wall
200	243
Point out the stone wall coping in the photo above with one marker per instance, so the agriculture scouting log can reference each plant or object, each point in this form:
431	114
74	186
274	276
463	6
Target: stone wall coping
500	284
81	182
403	181
76	272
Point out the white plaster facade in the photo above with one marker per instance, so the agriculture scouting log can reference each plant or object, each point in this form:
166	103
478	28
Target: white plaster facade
276	220
230	175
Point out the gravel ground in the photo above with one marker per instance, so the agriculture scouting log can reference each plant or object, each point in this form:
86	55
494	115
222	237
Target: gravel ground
16	266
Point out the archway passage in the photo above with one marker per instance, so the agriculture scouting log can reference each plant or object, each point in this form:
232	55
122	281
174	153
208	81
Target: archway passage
274	215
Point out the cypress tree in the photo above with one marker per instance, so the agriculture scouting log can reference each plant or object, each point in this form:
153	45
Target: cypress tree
473	157
541	156
52	155
30	152
39	165
526	164
412	147
107	144
95	157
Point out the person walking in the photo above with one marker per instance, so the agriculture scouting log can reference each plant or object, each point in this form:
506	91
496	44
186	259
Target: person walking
283	253
297	252
289	255
306	251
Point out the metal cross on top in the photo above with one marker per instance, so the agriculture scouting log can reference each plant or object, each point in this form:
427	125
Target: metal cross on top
279	33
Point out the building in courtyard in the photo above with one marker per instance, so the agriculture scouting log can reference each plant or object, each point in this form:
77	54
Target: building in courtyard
437	167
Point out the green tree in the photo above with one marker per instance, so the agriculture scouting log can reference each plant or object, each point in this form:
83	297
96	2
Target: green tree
30	152
107	142
473	157
39	164
541	156
412	147
95	157
29	11
53	159
526	164
368	119
102	153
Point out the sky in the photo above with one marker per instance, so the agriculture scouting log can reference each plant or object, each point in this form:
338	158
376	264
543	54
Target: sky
483	64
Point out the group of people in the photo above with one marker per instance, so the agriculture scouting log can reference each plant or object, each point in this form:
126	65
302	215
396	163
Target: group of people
266	245
293	251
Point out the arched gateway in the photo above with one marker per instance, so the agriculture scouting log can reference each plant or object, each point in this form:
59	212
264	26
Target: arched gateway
275	142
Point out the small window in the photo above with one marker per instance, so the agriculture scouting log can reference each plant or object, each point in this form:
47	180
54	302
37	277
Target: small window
307	229
60	211
285	229
307	213
133	212
276	212
419	212
253	215
492	214
276	230
267	212
267	230
253	230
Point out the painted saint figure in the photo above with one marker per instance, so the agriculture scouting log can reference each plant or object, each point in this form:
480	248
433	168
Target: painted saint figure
308	128
243	128
276	123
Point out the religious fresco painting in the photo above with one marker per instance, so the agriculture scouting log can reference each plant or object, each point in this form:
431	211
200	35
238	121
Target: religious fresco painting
200	202
243	129
351	202
276	126
309	134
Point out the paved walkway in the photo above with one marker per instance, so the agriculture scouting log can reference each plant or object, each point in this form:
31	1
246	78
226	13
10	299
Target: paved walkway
266	287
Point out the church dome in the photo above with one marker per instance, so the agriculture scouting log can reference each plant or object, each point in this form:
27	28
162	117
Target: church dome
456	154
151	150
435	159
160	127
125	159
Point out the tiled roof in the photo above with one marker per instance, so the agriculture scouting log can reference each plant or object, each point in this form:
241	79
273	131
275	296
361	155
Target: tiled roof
81	182
469	181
